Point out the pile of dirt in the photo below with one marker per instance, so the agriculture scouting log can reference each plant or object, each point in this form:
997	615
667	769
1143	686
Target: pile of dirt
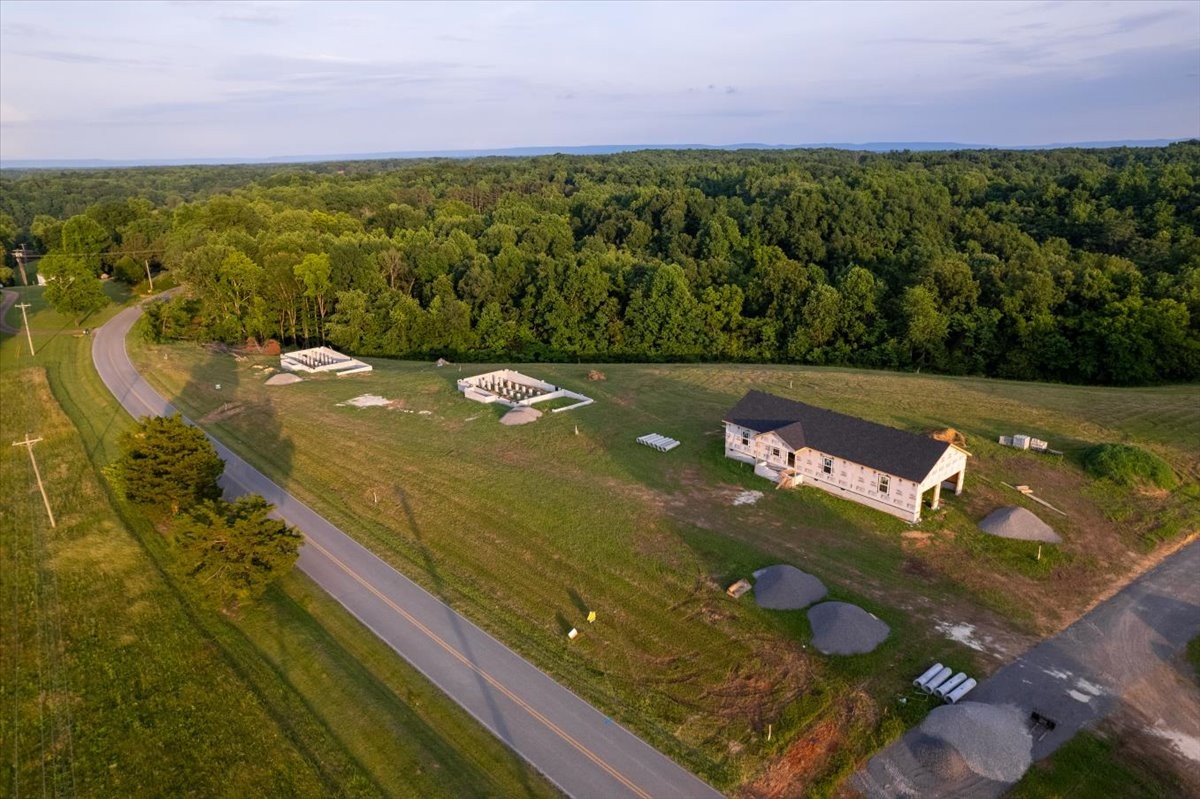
785	587
595	375
1019	523
992	740
950	436
283	379
840	628
522	414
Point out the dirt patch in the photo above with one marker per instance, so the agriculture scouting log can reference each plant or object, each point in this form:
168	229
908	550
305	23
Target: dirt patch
747	498
227	410
915	539
1159	719
367	401
790	775
762	685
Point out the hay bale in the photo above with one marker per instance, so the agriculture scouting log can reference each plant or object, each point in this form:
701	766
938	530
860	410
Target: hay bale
785	587
1019	524
840	628
522	414
283	379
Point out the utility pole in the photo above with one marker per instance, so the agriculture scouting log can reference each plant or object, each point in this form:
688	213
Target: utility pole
28	444
25	322
146	262
21	255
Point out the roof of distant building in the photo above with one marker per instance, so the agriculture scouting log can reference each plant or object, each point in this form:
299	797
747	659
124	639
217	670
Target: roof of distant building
878	446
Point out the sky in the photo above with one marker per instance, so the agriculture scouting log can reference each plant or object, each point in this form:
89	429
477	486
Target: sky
147	80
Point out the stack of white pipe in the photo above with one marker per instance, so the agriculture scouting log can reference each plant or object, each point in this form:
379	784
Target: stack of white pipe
660	443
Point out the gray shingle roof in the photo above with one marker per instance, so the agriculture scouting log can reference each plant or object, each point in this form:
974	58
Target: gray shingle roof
878	446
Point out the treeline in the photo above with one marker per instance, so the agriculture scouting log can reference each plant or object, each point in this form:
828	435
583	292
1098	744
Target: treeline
1071	265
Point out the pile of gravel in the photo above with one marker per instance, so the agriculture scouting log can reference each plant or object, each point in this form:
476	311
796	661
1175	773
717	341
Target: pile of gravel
785	587
840	628
992	739
522	414
940	758
1012	522
283	379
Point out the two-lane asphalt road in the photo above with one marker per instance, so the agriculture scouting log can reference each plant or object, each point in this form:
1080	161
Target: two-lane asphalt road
574	745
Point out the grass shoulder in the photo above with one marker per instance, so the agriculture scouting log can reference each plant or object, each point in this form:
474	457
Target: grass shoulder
292	697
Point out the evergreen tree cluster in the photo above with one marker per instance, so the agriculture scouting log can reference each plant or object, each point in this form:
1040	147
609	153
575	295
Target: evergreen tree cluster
229	551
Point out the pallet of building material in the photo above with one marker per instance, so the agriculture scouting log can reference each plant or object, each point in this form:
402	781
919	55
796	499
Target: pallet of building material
658	442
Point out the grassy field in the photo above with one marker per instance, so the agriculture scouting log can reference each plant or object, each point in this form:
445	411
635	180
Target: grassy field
115	685
1092	767
526	529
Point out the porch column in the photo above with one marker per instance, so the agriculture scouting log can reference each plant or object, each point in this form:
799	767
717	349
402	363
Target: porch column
937	496
958	484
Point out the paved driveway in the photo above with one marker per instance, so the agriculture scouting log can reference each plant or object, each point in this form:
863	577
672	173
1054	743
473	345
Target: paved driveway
1076	678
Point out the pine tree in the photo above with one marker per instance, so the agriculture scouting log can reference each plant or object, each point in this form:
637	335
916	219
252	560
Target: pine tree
168	463
233	550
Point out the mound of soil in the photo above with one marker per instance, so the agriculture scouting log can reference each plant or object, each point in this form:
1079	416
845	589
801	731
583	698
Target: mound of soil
950	436
785	587
522	414
1018	523
840	628
283	379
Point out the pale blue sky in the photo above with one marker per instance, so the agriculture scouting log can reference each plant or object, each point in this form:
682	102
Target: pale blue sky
206	79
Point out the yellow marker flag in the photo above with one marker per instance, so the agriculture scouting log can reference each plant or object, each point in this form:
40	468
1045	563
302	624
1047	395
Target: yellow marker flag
591	615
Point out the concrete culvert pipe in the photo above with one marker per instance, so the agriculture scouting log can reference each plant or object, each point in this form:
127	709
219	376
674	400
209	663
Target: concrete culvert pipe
937	680
961	691
927	676
943	690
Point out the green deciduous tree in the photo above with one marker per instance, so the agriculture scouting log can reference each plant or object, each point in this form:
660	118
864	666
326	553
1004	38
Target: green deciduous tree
233	551
85	238
72	288
168	464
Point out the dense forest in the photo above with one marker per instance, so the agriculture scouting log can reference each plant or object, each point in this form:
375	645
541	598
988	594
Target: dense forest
1069	265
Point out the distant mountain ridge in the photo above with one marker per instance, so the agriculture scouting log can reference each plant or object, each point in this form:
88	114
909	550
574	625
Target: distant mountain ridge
519	152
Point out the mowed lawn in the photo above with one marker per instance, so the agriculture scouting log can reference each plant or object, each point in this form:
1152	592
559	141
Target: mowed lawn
116	684
526	529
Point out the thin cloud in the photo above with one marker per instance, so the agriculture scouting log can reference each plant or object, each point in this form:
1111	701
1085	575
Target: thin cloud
68	57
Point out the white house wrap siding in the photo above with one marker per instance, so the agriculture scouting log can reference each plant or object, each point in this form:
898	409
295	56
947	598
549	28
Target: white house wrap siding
880	488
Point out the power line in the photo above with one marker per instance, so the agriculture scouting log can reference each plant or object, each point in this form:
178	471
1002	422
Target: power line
33	256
